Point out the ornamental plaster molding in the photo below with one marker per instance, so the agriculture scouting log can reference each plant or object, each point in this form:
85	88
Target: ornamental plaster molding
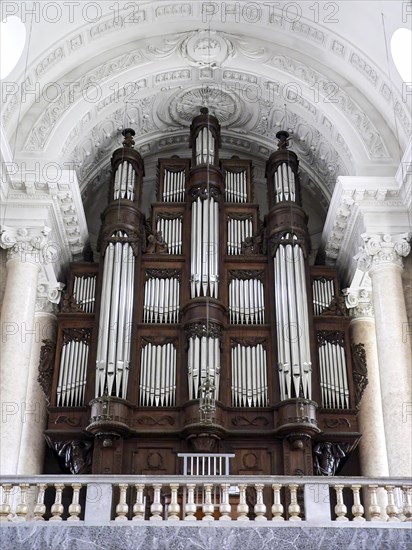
359	303
26	244
66	206
330	90
48	296
380	251
353	199
70	94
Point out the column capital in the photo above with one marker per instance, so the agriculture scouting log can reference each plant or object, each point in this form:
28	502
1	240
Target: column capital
359	302
382	250
48	296
26	244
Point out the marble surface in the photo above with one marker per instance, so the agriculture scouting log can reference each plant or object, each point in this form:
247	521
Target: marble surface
166	537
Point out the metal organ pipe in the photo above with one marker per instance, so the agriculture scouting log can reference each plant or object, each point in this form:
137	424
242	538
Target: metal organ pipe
249	376
113	352
124	180
205	147
235	187
173	186
205	248
237	231
293	325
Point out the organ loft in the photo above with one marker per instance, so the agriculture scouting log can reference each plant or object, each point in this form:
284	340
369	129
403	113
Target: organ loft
203	330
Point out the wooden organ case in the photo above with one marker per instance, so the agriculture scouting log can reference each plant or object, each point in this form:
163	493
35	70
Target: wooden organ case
203	330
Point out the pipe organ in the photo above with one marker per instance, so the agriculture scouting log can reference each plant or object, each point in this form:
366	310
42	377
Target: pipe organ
203	307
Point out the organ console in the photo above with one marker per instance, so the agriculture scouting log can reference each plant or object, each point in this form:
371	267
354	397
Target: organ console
203	329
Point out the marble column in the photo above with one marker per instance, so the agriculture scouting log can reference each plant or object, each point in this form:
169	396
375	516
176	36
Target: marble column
372	446
32	446
381	256
25	254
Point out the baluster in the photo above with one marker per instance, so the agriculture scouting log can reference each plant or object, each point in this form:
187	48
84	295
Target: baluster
357	508
224	507
174	507
277	507
190	506
208	507
122	508
407	502
260	507
156	508
294	508
75	508
5	508
139	507
374	509
22	508
57	508
391	509
340	508
40	507
242	507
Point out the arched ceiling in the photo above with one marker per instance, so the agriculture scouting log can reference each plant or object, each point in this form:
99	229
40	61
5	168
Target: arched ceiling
319	69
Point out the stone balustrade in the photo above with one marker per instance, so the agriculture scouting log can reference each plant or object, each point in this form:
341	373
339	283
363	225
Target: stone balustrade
104	500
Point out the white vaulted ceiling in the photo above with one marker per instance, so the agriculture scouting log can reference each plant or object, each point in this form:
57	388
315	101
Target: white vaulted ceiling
151	65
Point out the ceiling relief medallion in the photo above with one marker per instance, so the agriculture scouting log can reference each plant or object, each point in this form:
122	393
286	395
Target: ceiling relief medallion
199	48
185	106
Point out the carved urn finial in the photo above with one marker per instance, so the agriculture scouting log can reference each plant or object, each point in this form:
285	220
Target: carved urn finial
204	111
128	134
283	138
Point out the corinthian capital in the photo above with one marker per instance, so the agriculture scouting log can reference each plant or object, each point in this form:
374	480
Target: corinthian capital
25	244
382	250
358	302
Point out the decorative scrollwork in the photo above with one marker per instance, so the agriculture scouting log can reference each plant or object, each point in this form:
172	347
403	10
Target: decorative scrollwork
46	367
335	422
69	304
336	307
244	275
359	371
243	421
248	342
164	420
158	340
336	337
109	235
200	330
76	334
206	192
162	274
155	244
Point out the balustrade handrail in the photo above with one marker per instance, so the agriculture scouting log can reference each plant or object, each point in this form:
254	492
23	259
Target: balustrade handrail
205	497
115	479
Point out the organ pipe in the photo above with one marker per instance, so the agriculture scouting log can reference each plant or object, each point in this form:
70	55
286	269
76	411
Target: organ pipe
235	187
246	302
323	294
115	324
203	362
249	376
72	374
205	147
84	289
333	376
162	305
294	362
205	248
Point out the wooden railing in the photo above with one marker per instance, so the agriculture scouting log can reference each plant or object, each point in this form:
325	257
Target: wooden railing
101	499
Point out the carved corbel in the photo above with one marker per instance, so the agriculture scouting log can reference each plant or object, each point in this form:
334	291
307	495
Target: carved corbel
46	367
